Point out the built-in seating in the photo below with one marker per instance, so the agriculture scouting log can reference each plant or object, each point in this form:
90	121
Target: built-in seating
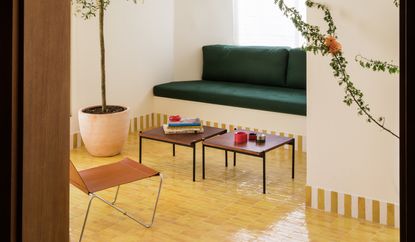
255	77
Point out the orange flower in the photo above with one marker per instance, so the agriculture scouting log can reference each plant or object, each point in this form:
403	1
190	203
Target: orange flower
334	46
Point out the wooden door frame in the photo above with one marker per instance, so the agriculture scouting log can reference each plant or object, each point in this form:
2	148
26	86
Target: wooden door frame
34	140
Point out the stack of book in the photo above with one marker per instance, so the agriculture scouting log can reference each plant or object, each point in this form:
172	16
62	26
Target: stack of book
184	126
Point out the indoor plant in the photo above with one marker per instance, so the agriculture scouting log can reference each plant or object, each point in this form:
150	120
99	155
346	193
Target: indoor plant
104	128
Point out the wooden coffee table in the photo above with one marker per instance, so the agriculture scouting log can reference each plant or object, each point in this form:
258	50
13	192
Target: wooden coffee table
188	140
226	142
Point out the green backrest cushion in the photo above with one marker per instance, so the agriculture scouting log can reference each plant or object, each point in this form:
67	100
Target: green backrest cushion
260	65
297	71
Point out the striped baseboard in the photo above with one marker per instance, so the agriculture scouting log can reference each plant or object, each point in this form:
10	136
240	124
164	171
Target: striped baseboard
154	120
353	206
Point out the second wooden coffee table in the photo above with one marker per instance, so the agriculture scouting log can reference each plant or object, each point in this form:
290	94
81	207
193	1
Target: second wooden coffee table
188	140
226	142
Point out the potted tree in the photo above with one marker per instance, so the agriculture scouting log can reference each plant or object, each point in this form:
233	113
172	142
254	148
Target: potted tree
104	128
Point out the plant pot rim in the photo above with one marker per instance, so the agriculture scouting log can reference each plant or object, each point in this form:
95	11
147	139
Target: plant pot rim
81	110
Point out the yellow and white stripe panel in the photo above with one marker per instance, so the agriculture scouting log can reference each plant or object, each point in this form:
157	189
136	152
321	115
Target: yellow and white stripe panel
376	211
236	116
148	121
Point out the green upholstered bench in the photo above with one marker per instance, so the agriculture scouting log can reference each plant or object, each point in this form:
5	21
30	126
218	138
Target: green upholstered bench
255	77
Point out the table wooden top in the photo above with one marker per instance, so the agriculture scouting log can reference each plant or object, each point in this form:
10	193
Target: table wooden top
182	139
227	142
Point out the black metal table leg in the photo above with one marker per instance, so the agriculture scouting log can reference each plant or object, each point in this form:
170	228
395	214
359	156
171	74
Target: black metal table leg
203	161
140	149
234	158
226	158
293	158
174	149
264	173
194	162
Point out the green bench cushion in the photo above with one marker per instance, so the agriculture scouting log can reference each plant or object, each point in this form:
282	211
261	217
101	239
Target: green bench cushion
296	70
262	65
276	99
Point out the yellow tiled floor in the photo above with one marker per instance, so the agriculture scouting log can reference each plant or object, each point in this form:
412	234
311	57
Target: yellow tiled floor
227	206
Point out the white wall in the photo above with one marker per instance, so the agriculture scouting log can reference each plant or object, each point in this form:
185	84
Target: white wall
199	23
345	153
139	50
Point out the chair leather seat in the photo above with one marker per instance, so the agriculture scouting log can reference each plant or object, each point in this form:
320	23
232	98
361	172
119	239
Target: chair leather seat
115	174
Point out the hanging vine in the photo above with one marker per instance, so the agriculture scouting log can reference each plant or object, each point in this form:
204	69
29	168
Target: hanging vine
325	44
377	65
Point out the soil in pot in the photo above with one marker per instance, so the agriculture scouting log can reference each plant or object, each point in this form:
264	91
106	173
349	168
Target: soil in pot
98	109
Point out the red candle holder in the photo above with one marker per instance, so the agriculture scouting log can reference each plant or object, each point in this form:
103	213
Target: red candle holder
241	137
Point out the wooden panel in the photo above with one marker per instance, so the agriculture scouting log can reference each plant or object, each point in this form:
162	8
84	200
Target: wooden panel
361	208
135	124
390	215
158	120
347	205
308	196
300	143
130	130
46	121
334	202
320	198
75	141
375	211
147	121
141	123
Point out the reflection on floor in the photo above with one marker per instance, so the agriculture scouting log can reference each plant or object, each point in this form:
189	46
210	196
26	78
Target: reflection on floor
227	206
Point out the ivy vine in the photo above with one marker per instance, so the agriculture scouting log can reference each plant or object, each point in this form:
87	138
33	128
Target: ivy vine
325	44
377	65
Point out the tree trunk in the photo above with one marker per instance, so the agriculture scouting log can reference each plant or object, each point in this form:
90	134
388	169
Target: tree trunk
102	46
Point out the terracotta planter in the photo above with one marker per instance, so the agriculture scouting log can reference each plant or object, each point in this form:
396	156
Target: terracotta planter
104	134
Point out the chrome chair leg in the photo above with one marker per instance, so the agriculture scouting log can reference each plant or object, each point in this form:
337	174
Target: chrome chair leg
130	216
86	215
93	195
116	195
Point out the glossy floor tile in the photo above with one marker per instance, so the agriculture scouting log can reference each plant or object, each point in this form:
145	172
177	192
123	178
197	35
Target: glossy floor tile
227	206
